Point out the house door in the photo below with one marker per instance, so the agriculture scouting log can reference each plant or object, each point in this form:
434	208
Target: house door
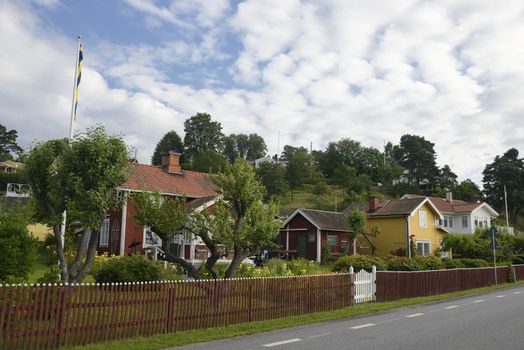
301	246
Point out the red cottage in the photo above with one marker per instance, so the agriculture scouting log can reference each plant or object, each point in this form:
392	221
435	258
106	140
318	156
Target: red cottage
307	231
122	234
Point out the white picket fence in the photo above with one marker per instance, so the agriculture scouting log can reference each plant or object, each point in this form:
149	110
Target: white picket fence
365	285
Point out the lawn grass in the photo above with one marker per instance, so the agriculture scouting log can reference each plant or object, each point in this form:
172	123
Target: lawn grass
203	335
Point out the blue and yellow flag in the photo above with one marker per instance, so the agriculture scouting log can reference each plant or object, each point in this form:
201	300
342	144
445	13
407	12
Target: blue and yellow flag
78	77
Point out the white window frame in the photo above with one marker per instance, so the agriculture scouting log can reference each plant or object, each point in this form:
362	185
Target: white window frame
423	242
104	233
332	238
145	244
465	221
423	219
450	221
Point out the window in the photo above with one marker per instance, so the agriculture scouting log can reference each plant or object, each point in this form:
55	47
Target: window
476	221
332	240
311	237
445	221
104	233
422	219
486	222
450	220
423	248
151	238
465	221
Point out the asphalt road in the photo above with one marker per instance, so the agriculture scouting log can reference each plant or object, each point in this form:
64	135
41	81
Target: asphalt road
487	321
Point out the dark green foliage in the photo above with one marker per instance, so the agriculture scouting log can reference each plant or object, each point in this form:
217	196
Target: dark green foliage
430	262
134	268
208	162
247	147
299	170
417	155
401	263
472	263
359	262
467	246
518	259
401	189
452	263
17	246
169	142
507	170
467	191
17	178
8	145
51	276
273	176
202	135
289	152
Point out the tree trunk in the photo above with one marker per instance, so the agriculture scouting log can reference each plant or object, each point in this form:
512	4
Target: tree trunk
62	261
80	254
90	257
240	255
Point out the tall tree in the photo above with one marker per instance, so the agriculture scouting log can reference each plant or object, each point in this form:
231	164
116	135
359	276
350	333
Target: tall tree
81	177
8	145
289	152
248	224
202	135
299	169
169	142
447	179
248	147
417	155
506	170
273	176
468	191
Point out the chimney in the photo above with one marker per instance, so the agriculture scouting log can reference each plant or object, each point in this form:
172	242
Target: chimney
449	196
373	203
171	162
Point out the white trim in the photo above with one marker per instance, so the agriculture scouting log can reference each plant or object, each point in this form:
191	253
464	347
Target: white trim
144	245
319	243
427	200
488	208
105	225
303	214
423	241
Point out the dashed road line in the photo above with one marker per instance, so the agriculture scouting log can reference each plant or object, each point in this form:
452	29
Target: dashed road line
516	292
319	335
415	315
479	301
451	307
363	326
270	345
501	296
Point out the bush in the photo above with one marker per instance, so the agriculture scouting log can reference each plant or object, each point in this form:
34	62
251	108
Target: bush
17	247
518	259
430	262
51	276
452	263
134	268
402	263
359	262
469	263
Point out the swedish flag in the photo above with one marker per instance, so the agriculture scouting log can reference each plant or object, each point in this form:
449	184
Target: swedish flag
78	77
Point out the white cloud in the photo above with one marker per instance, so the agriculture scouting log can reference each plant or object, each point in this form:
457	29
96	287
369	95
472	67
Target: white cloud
317	71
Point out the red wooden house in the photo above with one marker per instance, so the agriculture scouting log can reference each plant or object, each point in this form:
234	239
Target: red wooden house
307	231
122	234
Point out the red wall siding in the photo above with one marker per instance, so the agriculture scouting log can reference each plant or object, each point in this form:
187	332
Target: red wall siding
134	231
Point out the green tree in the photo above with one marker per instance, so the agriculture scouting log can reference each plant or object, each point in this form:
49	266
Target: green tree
82	177
169	142
417	155
8	145
246	223
202	135
468	191
248	147
447	179
357	221
289	152
17	246
506	170
299	169
273	176
208	162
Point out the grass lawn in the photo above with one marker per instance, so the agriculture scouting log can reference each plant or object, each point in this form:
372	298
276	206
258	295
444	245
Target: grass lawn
181	338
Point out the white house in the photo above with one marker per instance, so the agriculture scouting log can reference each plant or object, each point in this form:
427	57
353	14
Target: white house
461	216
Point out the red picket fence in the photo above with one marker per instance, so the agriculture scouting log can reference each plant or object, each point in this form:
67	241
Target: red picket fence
45	317
394	285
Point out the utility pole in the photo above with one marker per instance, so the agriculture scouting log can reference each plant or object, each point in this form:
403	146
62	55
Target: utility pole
506	205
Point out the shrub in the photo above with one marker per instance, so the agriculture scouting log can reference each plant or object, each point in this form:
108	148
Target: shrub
134	268
518	259
17	247
452	263
469	263
402	263
430	262
51	276
221	267
359	262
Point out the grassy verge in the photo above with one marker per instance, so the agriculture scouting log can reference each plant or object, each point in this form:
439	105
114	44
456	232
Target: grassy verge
203	335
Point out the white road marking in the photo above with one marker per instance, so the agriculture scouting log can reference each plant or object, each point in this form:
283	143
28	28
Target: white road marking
479	301
270	345
500	296
516	292
363	326
415	315
319	335
451	307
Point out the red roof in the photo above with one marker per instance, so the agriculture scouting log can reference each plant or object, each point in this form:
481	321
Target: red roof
152	178
445	206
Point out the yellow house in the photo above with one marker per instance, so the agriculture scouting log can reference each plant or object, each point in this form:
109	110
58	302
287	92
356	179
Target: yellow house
398	221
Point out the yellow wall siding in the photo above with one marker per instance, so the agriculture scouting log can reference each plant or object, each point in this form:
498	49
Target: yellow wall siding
392	234
430	233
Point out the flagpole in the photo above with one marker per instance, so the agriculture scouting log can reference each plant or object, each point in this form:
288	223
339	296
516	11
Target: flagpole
71	128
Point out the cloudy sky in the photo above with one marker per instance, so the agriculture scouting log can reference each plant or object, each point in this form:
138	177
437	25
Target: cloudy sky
317	71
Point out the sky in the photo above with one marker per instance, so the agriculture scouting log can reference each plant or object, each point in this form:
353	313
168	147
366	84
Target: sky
309	71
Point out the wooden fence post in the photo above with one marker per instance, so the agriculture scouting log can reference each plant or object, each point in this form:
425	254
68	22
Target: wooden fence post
352	286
